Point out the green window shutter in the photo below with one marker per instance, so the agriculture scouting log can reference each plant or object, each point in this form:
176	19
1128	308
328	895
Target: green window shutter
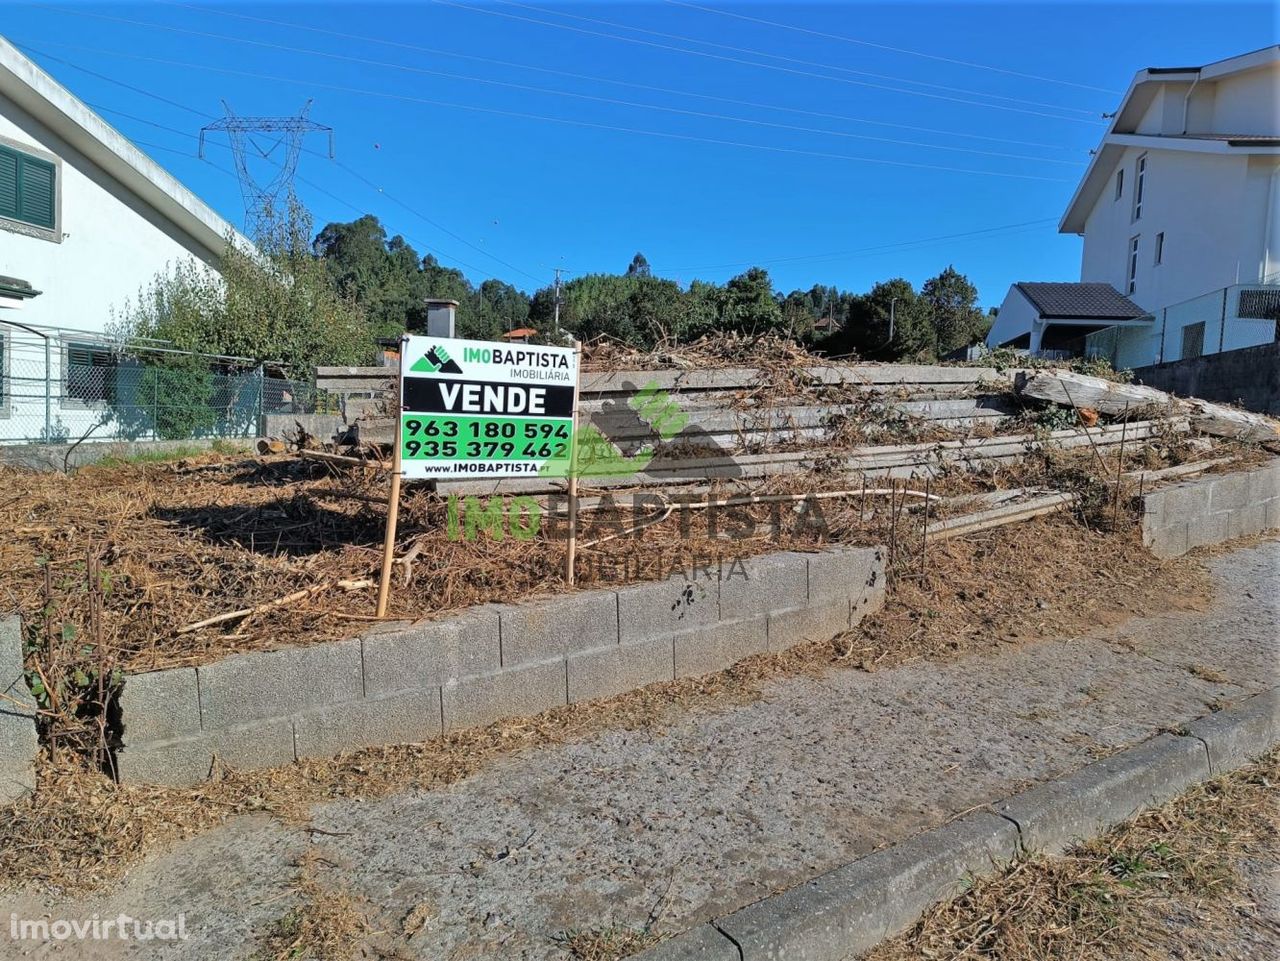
36	192
8	183
28	188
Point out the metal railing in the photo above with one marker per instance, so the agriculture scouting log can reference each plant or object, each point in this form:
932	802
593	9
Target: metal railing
62	387
1243	315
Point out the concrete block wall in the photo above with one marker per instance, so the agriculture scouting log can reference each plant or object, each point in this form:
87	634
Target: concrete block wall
410	684
1211	509
18	741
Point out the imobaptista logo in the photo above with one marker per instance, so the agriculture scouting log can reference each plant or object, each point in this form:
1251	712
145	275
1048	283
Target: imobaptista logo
436	361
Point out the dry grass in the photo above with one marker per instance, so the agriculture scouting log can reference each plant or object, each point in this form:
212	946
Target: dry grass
607	944
1156	888
80	830
325	924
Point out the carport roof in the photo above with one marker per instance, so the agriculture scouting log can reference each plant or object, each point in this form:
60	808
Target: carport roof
1079	301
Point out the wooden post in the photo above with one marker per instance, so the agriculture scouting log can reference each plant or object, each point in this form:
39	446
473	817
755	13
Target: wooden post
571	549
393	498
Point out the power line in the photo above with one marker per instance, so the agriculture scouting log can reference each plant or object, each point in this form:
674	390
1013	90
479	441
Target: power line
763	66
774	56
705	115
618	128
892	49
434	51
863	250
350	170
231	173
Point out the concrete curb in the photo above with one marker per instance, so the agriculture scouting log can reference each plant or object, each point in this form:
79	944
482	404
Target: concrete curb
854	907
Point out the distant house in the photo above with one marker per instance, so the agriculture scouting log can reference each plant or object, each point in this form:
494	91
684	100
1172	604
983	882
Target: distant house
86	221
1180	214
521	335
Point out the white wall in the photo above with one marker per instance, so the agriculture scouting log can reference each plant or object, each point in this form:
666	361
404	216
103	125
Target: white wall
112	245
1212	210
1015	318
1244	103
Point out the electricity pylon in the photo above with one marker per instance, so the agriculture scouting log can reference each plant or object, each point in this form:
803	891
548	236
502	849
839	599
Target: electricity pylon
274	142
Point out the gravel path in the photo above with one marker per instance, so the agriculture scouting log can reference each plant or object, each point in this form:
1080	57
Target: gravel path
720	809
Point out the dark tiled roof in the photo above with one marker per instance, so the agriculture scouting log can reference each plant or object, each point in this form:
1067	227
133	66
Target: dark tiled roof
1081	300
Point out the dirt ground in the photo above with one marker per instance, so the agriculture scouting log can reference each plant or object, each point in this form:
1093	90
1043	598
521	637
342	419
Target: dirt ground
541	853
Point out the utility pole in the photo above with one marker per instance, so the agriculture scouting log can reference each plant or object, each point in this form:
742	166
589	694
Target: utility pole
559	270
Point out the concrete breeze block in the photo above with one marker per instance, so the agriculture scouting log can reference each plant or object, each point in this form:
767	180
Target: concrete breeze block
553	627
801	624
772	582
249	687
19	743
662	607
1249	519
160	705
428	654
511	692
188	760
1207	529
405	718
841	573
1273	514
705	650
1229	492
619	668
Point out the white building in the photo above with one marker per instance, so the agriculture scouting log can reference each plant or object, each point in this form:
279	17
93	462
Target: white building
1180	214
86	221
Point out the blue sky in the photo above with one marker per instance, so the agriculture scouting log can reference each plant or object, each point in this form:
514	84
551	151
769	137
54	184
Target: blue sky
490	133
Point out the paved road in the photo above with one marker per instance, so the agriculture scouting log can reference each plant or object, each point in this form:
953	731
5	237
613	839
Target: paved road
721	808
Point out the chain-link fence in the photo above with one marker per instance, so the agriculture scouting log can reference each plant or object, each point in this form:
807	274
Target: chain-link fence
60	388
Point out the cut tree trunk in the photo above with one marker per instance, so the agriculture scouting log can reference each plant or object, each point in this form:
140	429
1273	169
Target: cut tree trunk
1084	392
1081	391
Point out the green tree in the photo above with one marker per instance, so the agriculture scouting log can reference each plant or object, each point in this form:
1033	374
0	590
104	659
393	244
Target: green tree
639	267
953	305
275	303
750	305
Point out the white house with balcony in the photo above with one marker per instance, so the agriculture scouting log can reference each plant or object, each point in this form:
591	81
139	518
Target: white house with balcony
87	220
1179	211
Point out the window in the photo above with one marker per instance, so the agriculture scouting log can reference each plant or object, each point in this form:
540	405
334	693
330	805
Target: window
1159	248
28	189
1192	340
88	374
1139	178
1119	183
1133	265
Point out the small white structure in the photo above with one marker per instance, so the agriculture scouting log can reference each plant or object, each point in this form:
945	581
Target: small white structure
86	221
1057	317
1180	209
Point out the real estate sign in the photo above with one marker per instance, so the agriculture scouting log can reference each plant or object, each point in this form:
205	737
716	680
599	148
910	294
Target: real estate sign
470	408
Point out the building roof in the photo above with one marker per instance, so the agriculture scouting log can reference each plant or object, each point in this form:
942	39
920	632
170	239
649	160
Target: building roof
22	81
519	332
1060	301
1140	95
